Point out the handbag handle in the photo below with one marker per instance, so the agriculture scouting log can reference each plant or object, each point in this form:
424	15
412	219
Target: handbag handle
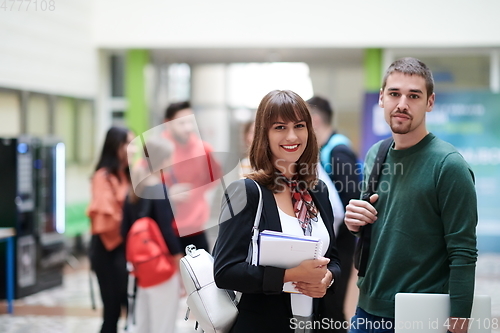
253	249
255	229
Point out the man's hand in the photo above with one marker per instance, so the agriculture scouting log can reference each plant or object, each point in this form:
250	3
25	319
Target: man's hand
458	325
359	213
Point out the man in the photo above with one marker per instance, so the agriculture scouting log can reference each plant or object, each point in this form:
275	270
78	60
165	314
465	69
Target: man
424	214
192	174
340	162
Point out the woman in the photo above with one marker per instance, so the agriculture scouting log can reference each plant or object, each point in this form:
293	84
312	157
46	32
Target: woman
110	184
156	305
285	153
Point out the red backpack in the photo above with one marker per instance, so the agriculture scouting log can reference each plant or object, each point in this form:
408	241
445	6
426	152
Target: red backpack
147	252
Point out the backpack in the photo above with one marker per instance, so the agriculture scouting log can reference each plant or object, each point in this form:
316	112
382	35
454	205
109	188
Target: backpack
148	254
325	155
214	309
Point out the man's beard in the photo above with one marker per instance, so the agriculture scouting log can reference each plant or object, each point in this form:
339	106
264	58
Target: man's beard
400	128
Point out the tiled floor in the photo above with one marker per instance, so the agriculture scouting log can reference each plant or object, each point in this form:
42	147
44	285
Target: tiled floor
67	309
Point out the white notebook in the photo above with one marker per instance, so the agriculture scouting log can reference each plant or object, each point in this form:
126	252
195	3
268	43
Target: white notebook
287	251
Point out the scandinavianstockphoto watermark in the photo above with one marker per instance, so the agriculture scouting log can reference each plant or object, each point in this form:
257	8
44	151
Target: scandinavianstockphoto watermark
348	185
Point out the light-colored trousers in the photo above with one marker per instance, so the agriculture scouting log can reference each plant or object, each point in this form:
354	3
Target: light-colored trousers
156	307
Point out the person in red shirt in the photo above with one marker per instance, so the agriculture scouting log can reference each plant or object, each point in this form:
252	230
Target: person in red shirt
193	172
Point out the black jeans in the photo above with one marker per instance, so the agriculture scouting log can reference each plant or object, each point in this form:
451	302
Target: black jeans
111	270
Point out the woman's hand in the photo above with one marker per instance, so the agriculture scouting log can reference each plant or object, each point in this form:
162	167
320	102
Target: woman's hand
310	271
316	290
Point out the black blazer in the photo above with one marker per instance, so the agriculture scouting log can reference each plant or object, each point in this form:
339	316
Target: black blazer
263	306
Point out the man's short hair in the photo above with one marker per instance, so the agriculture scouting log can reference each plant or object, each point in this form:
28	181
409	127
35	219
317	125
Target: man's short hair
323	107
411	66
173	108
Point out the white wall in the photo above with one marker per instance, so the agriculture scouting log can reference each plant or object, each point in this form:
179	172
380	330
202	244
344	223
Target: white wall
48	51
296	23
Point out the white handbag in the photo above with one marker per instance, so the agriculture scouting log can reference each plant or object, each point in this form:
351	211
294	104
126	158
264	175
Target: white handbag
214	309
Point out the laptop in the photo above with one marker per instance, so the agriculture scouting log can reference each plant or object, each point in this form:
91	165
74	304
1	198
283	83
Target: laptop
430	312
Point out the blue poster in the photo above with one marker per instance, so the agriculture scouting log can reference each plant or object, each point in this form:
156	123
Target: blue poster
471	122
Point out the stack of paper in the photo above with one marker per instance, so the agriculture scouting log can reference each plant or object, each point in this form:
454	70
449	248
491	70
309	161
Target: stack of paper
287	251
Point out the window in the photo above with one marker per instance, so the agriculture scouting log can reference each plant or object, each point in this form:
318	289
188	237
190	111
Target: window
248	83
85	132
38	115
179	82
10	114
117	67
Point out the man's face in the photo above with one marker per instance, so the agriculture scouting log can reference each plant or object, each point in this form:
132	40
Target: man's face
316	119
182	126
405	103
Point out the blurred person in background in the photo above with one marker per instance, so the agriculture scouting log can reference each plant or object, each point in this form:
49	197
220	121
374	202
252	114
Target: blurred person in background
248	132
156	306
423	225
193	173
341	165
110	185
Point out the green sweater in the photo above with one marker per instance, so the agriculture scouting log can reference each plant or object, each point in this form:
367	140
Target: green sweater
424	240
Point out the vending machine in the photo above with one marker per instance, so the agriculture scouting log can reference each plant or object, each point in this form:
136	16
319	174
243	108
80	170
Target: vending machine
49	175
17	210
32	202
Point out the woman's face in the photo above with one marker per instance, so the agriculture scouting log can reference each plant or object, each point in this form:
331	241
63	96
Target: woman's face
287	141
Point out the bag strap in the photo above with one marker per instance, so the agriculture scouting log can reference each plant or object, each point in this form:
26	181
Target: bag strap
255	230
326	153
146	209
366	231
253	249
132	299
377	168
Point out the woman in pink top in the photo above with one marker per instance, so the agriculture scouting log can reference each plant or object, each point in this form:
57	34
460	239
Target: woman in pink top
110	184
